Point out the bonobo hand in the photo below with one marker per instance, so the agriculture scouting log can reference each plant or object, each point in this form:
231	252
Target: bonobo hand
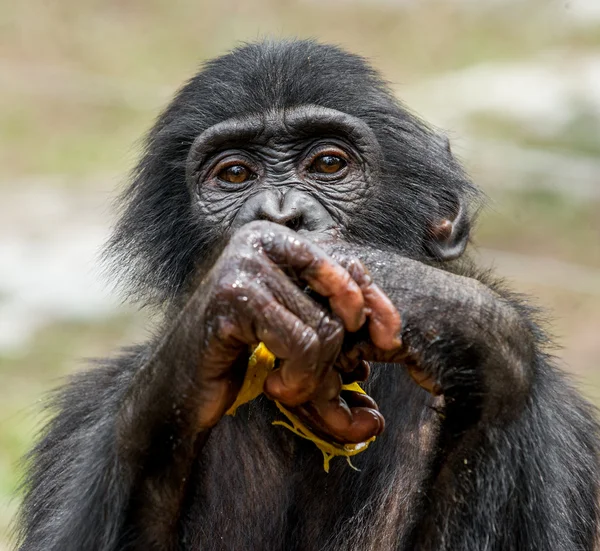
252	294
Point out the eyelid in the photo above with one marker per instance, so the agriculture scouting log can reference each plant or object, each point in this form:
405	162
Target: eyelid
323	150
327	149
231	159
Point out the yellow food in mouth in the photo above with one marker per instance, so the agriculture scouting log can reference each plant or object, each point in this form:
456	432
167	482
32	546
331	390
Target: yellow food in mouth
260	364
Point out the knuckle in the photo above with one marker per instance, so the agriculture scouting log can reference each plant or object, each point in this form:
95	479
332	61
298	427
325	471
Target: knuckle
230	286
248	235
261	308
241	264
237	288
282	245
357	270
307	342
250	262
277	241
260	226
262	237
223	328
330	329
302	251
355	264
256	231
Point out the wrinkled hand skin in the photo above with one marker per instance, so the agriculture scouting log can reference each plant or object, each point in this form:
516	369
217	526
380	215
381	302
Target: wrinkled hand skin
254	293
454	335
251	296
460	339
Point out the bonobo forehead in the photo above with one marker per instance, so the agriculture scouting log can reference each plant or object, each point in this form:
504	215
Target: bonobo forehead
278	125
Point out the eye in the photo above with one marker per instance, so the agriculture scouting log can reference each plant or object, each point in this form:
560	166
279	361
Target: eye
328	164
236	174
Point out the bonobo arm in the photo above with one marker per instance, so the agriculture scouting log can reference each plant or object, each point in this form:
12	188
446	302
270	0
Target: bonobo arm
460	338
111	471
517	458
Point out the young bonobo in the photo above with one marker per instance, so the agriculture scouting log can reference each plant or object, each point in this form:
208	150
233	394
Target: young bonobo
285	197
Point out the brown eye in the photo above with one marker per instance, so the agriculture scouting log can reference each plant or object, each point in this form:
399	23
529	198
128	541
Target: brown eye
236	174
328	164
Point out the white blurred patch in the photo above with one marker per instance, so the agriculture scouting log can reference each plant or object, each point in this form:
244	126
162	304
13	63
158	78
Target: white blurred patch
539	93
49	244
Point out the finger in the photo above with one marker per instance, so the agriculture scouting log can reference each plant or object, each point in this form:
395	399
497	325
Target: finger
343	422
284	384
365	352
358	399
424	380
321	272
293	342
358	348
310	307
301	369
217	394
297	330
258	316
384	320
305	352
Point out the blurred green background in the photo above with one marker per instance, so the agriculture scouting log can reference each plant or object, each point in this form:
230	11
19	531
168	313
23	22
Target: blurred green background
515	83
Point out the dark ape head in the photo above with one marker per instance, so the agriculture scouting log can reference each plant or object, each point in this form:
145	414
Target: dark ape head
296	132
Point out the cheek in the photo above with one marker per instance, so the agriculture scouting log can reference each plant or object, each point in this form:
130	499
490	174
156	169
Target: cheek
345	197
219	208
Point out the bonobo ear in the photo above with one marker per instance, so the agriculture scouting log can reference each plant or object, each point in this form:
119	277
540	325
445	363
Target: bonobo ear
448	234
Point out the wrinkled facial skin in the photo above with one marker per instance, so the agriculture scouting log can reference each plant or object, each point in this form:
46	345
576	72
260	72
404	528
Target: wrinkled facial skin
308	168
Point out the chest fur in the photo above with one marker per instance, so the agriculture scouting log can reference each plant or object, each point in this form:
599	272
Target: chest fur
257	486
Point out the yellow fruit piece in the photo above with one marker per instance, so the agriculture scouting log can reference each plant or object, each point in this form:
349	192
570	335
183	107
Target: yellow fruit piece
260	364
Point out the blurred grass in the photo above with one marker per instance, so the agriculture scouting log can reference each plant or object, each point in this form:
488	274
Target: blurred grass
54	137
81	81
579	134
542	222
84	79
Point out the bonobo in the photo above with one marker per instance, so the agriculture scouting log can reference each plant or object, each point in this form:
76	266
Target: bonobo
286	197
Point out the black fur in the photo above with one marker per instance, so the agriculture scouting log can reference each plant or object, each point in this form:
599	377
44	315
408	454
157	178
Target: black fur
528	484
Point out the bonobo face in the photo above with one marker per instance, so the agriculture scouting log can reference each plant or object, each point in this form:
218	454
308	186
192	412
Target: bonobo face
297	133
308	168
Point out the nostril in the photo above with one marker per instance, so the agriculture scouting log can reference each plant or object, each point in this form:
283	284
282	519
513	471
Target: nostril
295	223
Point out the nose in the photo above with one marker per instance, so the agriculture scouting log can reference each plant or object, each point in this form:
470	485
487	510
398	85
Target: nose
289	209
295	209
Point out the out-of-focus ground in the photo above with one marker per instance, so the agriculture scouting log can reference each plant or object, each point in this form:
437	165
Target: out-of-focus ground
515	84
